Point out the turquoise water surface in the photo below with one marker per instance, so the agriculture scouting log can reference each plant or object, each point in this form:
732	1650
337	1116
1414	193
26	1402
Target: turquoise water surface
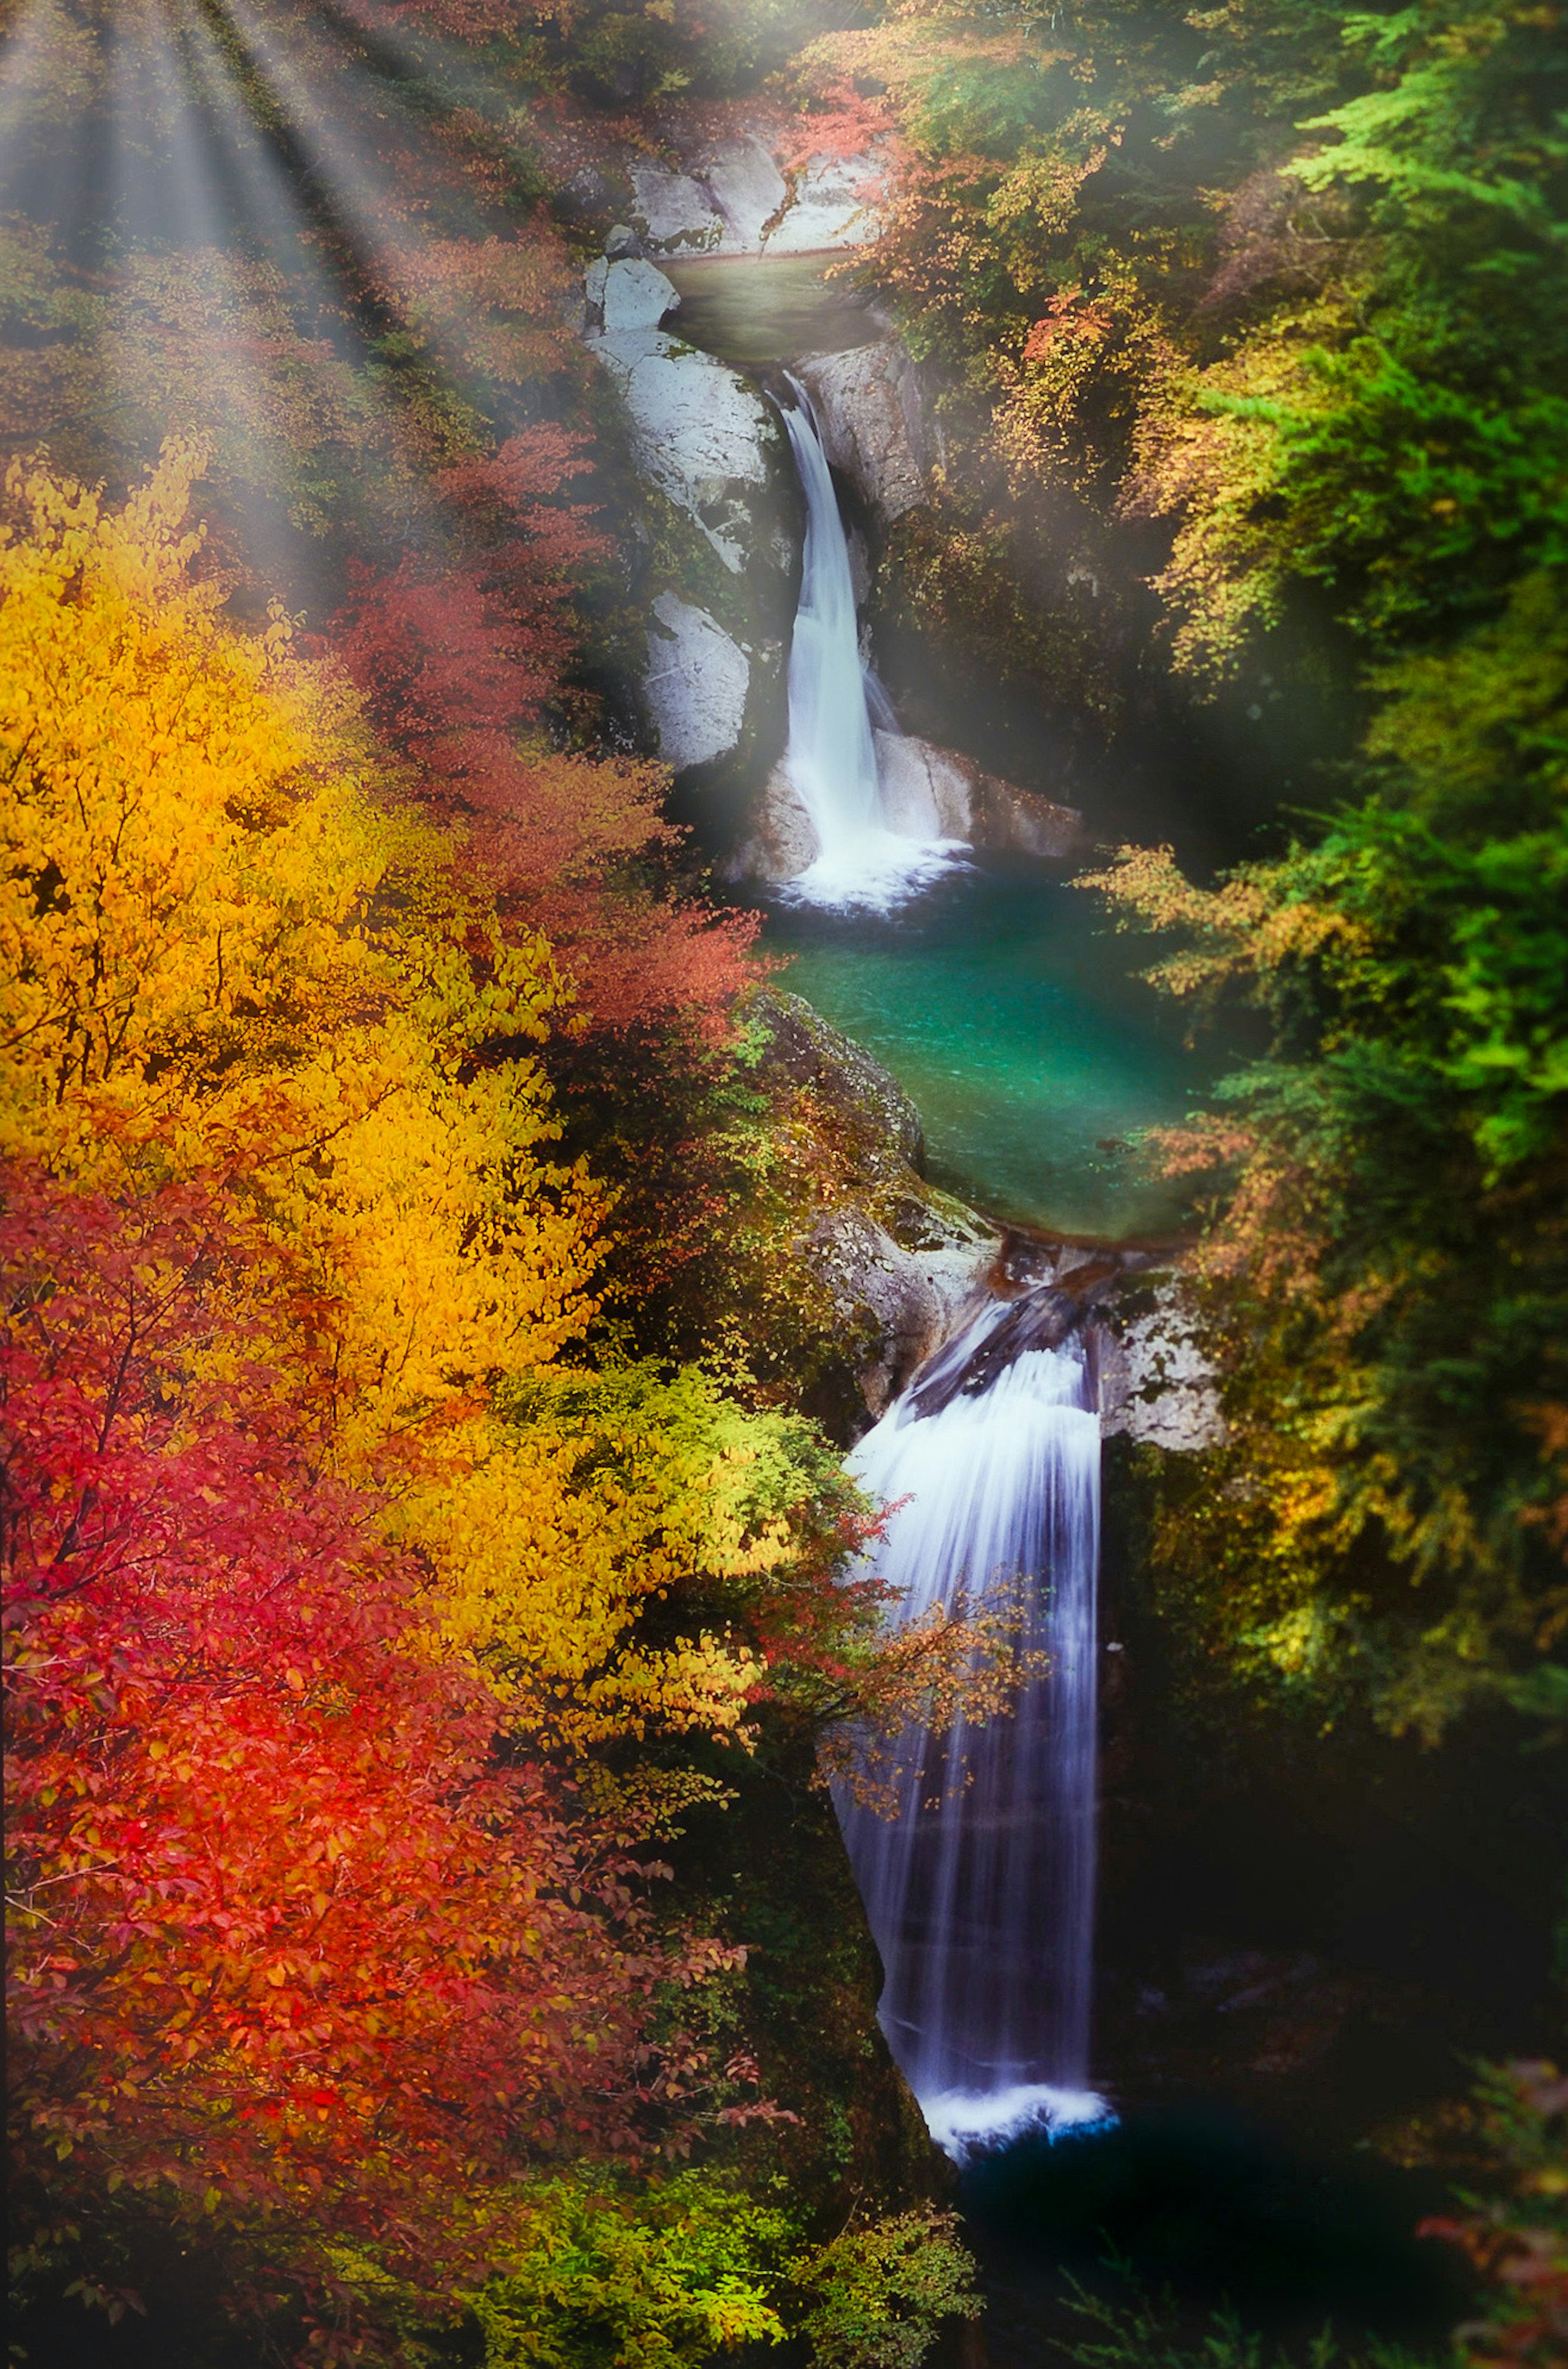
1007	1008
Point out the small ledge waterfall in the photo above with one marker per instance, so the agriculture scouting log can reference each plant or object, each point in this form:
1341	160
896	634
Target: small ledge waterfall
980	1889
831	758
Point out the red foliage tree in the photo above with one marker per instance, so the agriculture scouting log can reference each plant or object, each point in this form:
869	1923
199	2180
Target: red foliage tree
456	661
292	1952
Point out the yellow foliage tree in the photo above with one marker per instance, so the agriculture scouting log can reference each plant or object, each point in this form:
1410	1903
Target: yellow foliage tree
231	958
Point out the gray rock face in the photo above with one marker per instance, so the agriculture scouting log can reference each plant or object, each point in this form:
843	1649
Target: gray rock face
699	432
868	407
932	793
696	685
731	199
927	793
1156	1384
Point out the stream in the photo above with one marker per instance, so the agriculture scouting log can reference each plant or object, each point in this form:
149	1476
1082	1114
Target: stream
996	993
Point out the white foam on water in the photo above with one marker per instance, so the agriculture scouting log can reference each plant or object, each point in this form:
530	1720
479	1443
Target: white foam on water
874	871
966	2123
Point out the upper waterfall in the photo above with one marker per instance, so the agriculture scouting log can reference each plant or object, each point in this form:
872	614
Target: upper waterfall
832	756
980	1889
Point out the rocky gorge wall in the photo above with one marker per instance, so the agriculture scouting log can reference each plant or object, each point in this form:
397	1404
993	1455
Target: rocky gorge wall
715	548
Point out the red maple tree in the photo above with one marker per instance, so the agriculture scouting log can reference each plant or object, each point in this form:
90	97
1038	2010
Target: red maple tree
457	656
300	1951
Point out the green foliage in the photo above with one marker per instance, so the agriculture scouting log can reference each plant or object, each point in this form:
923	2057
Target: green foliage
1152	2333
682	2268
876	2297
673	2271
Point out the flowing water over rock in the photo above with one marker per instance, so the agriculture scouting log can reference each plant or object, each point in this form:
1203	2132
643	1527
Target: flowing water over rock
980	1889
831	760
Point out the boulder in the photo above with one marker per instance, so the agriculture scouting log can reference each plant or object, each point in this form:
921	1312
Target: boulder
783	839
932	793
624	295
897	1261
808	1051
674	209
869	407
697	685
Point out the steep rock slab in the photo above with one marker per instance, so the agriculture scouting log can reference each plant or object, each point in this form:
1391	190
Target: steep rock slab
714	555
748	191
697	683
699	432
732	199
868	408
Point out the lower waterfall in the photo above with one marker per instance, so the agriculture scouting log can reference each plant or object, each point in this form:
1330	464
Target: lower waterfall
832	758
980	1889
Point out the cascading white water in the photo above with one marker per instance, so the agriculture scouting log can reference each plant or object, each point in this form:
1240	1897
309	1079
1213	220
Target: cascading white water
832	757
980	1890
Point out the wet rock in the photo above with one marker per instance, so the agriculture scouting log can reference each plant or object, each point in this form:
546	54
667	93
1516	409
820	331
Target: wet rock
932	793
868	407
1042	1319
697	685
1156	1385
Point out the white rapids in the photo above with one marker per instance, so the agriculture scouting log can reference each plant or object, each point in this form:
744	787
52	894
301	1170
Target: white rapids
980	1891
832	757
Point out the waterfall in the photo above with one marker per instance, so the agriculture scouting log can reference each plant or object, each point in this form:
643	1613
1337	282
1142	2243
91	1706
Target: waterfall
980	1889
832	757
